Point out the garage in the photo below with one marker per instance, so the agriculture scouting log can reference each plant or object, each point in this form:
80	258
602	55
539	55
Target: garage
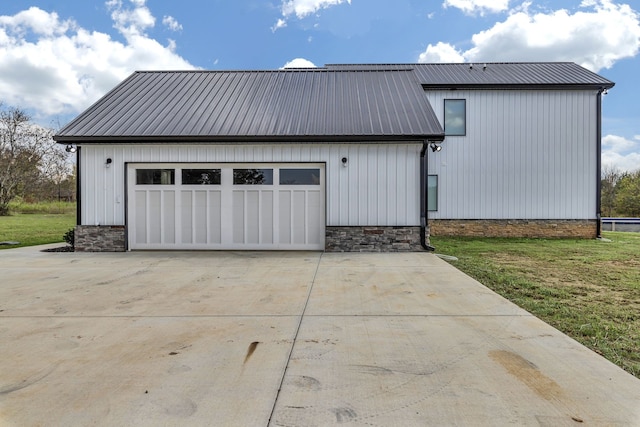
205	206
323	159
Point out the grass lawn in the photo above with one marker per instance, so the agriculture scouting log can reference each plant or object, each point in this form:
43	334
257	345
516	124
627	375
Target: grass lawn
34	229
588	289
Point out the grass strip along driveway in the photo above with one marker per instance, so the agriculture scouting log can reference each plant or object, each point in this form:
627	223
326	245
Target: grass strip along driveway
34	229
588	289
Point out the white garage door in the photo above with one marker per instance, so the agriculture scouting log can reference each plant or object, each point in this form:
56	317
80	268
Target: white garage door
226	206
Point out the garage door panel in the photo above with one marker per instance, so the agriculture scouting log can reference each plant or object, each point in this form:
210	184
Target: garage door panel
224	211
186	218
169	217
285	217
238	217
298	210
266	217
140	219
215	217
315	216
200	217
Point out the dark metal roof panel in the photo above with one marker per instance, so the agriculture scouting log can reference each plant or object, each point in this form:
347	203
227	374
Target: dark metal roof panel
259	105
522	74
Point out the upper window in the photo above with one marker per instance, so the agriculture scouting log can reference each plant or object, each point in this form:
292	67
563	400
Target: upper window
253	176
201	176
155	176
455	117
299	176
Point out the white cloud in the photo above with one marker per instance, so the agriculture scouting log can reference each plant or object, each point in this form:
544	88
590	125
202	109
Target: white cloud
299	63
636	137
131	22
302	9
36	21
441	52
621	153
472	7
595	37
171	23
280	24
54	66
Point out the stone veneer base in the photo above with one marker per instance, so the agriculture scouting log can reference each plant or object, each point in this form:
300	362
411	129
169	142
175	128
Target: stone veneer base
373	239
99	238
582	229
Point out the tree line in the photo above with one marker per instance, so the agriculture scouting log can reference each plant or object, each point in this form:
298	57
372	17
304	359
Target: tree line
620	193
32	166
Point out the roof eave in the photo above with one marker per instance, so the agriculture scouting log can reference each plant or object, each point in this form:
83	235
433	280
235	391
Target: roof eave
265	139
580	86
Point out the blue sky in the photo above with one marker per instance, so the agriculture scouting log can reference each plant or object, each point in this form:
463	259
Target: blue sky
57	57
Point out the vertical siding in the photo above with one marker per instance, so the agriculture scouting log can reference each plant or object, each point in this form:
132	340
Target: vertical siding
526	155
379	186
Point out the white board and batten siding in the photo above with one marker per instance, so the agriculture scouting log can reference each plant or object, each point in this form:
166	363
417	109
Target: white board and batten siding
379	185
526	155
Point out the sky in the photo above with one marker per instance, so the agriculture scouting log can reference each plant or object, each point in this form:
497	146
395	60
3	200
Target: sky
57	57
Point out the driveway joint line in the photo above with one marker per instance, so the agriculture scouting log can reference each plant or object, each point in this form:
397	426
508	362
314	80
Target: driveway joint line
295	339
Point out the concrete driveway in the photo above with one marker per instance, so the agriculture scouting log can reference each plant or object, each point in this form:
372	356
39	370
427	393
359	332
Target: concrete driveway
284	339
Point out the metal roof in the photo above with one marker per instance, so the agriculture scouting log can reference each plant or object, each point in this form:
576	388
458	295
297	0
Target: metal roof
496	74
259	106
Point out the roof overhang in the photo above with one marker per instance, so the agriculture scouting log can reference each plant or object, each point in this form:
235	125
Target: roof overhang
267	139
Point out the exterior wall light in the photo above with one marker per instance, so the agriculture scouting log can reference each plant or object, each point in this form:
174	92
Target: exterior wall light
435	147
108	162
70	148
345	161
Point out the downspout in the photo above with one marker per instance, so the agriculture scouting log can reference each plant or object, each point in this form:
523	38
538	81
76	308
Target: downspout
78	188
424	216
599	164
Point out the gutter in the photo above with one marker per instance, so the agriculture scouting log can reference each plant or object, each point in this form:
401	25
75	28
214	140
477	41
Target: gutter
424	216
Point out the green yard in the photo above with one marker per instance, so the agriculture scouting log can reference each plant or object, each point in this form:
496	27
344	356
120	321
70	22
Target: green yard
36	224
588	289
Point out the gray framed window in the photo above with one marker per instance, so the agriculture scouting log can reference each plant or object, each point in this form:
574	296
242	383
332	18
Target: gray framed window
253	177
201	176
432	193
455	117
155	176
299	176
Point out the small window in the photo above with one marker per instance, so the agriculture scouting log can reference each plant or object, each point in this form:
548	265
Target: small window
299	176
253	176
201	176
455	117
155	176
432	192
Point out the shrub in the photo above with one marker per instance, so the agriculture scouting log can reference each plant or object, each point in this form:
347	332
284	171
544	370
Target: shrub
69	237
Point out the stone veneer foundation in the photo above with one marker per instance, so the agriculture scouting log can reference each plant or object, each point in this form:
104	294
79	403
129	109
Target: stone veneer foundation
582	229
99	238
111	238
373	239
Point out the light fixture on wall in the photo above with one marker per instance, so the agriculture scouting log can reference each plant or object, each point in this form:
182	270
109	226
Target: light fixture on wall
345	161
70	148
108	162
435	147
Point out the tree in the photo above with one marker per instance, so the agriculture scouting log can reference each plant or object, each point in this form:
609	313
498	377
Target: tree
610	177
29	157
628	194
